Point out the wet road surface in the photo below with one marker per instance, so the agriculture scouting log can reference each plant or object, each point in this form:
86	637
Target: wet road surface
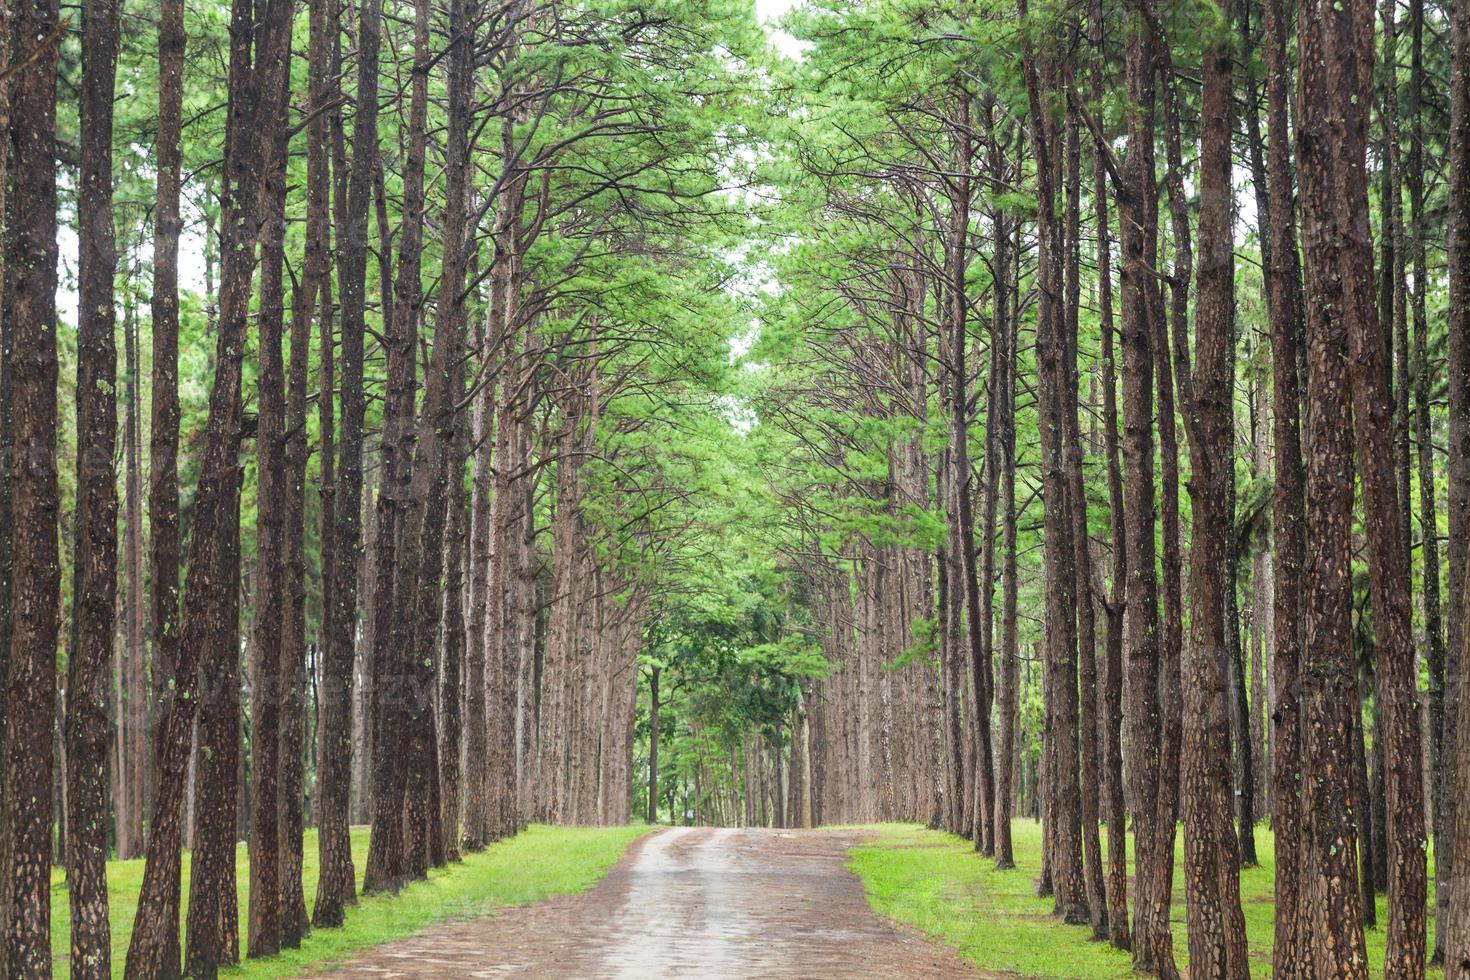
685	902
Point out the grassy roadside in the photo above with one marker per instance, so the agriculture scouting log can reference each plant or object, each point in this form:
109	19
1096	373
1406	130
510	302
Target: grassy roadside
541	862
936	883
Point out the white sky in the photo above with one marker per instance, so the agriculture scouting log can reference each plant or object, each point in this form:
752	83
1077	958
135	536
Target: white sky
769	11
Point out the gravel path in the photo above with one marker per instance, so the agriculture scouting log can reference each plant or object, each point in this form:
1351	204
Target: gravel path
686	902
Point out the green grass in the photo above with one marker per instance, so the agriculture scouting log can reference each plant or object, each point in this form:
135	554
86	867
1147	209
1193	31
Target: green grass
536	864
936	883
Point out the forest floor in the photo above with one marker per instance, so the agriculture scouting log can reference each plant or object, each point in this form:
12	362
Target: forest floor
936	883
687	902
536	864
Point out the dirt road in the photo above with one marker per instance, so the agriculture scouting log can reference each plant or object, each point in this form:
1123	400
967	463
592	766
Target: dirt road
686	902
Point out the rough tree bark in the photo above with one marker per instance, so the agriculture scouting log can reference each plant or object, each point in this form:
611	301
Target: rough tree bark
1004	420
6	494
1428	524
291	821
210	635
398	847
1081	541
163	447
1153	661
267	676
1065	832
435	443
653	703
30	709
1288	507
979	645
94	592
1331	910
336	886
1349	35
1457	915
1212	860
454	671
1110	717
1138	223
1171	364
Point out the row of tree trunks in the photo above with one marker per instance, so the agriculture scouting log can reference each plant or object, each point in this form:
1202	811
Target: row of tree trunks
206	670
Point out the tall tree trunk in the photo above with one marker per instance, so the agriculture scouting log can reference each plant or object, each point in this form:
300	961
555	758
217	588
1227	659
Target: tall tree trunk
1350	34
1138	223
1288	508
1111	674
94	593
435	443
336	884
294	921
1060	554
477	775
960	459
398	847
1081	541
1212	861
1428	522
1328	83
1007	697
7	445
1171	364
321	181
951	668
267	677
1368	841
1456	918
132	743
452	683
653	706
30	708
163	449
